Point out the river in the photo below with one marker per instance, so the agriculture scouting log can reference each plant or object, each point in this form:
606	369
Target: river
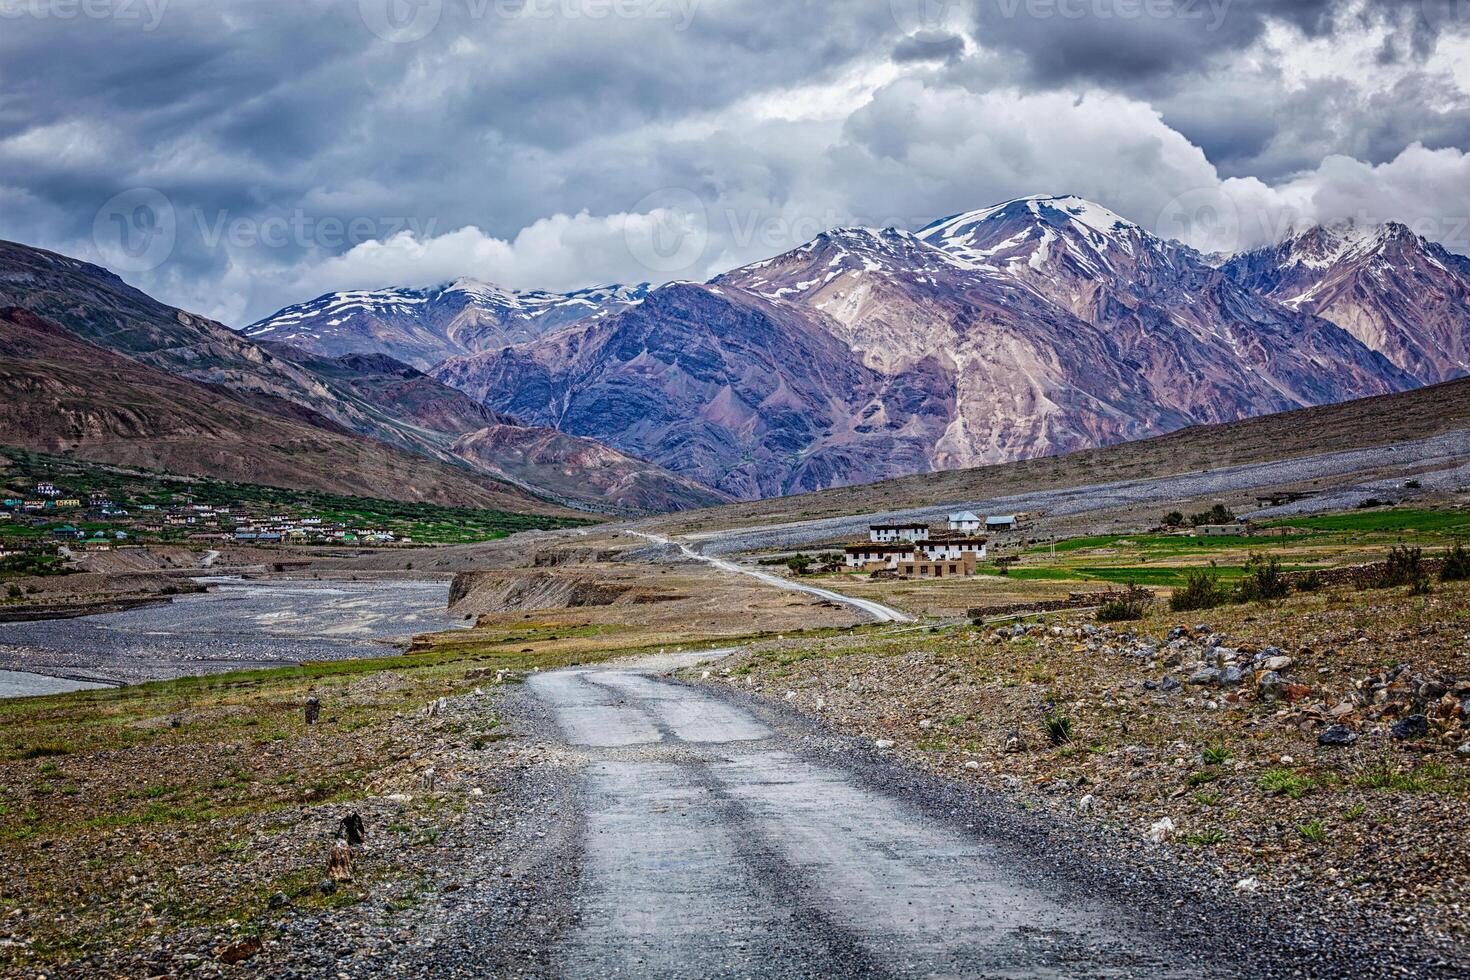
239	625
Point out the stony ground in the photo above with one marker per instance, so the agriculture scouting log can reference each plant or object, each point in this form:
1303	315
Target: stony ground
1317	747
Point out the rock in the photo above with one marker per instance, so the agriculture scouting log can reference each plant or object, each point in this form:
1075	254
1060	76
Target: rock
1161	831
327	886
339	862
1271	685
1205	675
1169	684
1248	886
1014	743
1463	751
972	765
883	744
926	724
277	901
1337	735
1277	664
1087	804
1414	726
241	951
1231	677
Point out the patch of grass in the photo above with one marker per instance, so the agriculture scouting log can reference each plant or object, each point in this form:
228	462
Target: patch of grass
1205	838
1428	778
1207	799
1058	729
1313	830
1282	781
1354	812
1202	776
1216	755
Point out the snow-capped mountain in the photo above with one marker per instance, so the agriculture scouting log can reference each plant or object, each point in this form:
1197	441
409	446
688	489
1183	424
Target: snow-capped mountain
1038	326
423	327
1393	290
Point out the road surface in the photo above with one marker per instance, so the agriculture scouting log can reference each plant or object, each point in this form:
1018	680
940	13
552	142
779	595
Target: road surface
876	610
714	848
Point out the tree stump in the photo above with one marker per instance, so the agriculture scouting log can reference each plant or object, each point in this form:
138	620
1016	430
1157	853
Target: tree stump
339	862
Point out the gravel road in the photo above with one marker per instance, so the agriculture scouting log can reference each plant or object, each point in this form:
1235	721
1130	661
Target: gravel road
876	610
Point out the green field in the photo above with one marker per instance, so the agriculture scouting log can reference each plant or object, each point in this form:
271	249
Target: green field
1165	560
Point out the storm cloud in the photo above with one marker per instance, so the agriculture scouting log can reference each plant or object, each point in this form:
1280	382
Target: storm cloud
234	156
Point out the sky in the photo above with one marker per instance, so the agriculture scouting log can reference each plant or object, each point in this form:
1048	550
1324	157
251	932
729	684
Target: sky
234	156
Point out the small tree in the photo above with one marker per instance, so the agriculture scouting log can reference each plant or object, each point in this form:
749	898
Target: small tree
799	564
1456	565
1218	514
1173	519
1405	566
1201	591
1263	580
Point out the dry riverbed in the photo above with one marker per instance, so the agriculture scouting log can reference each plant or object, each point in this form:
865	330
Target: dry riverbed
1328	765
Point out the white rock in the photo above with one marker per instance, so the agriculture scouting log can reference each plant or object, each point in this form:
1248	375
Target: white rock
1287	760
704	676
477	791
972	765
883	744
926	724
1087	804
790	695
1161	831
1248	886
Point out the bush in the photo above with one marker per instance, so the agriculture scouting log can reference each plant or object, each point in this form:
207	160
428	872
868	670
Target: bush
15	592
1130	606
1310	582
1201	591
1173	519
1405	566
1218	514
1058	729
1456	565
1263	580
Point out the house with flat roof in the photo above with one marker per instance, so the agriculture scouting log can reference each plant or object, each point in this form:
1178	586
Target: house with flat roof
1005	522
887	533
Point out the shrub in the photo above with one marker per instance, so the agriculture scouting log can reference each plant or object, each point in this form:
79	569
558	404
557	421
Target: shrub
1456	565
1058	729
1263	580
1216	754
15	591
1218	514
1405	566
1310	582
1201	591
1173	519
1131	605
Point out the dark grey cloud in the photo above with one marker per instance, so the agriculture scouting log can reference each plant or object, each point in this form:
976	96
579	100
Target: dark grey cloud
513	134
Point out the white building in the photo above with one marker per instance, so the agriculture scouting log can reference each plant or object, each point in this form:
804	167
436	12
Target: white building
965	522
889	533
875	555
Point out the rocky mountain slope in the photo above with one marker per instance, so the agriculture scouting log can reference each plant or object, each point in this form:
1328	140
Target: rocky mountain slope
1036	327
424	327
66	395
581	472
1393	290
369	394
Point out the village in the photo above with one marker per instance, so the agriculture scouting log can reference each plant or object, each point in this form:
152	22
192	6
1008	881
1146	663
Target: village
97	522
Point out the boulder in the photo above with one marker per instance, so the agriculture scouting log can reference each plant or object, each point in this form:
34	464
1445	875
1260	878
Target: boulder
1337	735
